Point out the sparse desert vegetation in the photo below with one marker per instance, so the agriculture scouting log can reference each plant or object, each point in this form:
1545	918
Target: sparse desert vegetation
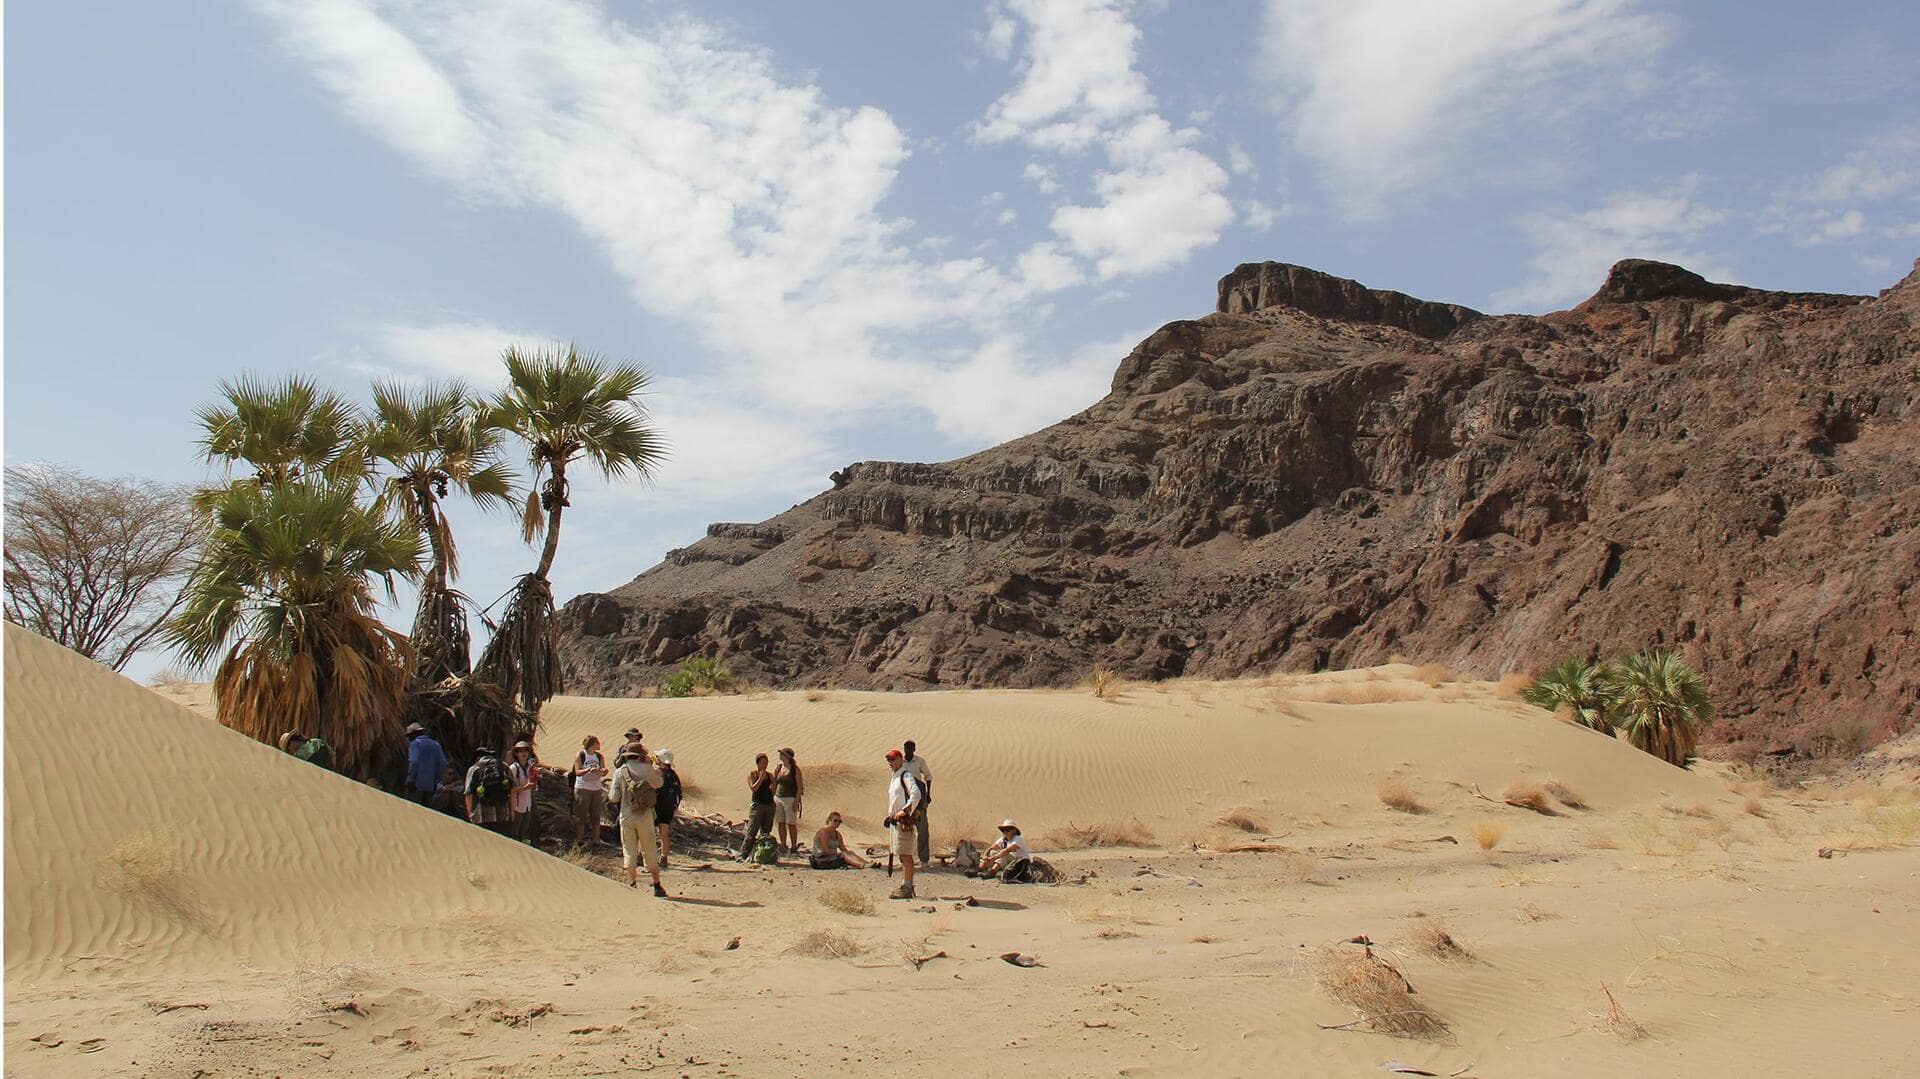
1488	833
1527	794
1378	993
1105	682
1129	832
847	901
1431	937
827	944
1397	794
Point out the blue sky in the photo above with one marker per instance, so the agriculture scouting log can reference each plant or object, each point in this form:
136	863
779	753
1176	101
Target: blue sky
847	232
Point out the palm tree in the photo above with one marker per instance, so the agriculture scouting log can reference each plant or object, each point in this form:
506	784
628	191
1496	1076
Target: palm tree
286	430
566	406
435	440
1660	703
1574	684
283	587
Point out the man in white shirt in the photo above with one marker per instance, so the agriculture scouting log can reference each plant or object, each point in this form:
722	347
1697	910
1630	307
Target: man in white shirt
917	767
904	799
635	787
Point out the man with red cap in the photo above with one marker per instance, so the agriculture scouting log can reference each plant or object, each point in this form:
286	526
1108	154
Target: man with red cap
904	798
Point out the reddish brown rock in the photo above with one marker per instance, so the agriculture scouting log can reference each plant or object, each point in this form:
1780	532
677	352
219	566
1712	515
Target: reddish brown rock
1320	474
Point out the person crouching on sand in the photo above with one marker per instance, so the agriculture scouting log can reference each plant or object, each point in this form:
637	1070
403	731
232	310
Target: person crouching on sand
830	849
1008	858
903	806
668	803
759	806
589	773
636	790
789	787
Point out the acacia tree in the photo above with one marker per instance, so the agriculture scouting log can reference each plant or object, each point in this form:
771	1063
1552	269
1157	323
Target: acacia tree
566	406
94	564
436	441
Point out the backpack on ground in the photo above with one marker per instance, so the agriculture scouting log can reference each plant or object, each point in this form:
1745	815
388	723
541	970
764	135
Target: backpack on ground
492	784
765	851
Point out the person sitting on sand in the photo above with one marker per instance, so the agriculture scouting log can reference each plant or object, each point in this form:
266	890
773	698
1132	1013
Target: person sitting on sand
635	789
312	750
426	759
759	805
525	769
489	792
1008	858
668	802
589	774
903	806
789	787
830	850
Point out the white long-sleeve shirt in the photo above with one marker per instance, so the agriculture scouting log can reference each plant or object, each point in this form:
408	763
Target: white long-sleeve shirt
904	793
918	767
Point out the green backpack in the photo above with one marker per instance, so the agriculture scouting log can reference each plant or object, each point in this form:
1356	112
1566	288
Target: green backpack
766	851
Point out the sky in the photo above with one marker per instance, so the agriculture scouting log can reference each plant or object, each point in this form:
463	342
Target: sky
844	232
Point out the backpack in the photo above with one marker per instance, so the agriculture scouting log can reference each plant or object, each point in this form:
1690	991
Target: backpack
766	851
492	783
639	797
669	797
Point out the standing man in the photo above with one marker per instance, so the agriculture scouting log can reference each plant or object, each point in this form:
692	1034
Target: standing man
489	792
636	790
425	761
904	799
759	806
918	766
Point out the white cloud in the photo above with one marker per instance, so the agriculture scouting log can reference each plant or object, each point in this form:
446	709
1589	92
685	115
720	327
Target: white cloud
1240	162
1388	96
1003	391
1573	250
1079	87
466	350
1879	179
1258	215
1043	177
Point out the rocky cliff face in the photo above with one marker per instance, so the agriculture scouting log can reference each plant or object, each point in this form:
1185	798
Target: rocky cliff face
1321	474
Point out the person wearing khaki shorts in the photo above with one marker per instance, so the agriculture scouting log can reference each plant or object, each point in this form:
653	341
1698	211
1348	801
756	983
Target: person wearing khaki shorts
904	798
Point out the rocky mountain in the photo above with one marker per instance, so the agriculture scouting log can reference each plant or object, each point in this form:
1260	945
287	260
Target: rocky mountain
1322	474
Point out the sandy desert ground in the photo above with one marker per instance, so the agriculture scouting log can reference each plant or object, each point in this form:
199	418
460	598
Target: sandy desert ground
183	901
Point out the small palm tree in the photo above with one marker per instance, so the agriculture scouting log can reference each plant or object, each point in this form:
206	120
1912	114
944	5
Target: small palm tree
283	586
566	406
285	430
434	440
1659	702
1574	684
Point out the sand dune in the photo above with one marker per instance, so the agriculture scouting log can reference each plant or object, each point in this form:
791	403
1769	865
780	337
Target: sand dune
182	901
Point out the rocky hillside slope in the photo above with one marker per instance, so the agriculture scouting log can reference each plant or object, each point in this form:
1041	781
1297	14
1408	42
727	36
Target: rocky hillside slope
1321	474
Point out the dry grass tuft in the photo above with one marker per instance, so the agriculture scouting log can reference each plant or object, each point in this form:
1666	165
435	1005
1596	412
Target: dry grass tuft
1755	807
1124	833
1528	794
1114	932
1509	686
815	696
1488	833
1895	824
1430	937
1434	674
840	775
146	862
1105	682
1304	866
1203	938
847	901
1600	841
1368	692
827	944
1397	794
1564	794
1533	912
1376	991
1645	833
1616	1019
1241	820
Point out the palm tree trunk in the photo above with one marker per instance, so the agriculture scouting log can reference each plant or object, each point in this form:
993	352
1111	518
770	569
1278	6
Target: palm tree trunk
557	502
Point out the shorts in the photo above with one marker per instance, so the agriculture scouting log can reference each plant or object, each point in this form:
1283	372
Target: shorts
786	810
905	842
589	806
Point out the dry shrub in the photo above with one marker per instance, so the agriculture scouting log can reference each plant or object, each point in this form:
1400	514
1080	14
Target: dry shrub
1368	692
1203	938
1304	866
1509	686
815	696
839	774
1241	820
1397	660
1564	794
1896	823
1645	834
1754	807
1105	682
1434	674
146	862
1397	794
1527	794
1698	809
1124	833
847	901
1430	937
1488	833
1376	991
1114	932
1600	841
827	944
1616	1019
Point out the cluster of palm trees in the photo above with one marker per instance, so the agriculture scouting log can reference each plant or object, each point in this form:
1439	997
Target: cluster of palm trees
1654	699
321	499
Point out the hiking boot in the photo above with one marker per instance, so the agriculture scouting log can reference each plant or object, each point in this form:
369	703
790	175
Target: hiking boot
905	891
659	891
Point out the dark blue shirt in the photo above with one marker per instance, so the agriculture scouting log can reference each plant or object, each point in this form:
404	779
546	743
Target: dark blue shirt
425	761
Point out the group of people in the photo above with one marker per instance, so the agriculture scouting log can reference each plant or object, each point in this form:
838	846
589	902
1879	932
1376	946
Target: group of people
641	791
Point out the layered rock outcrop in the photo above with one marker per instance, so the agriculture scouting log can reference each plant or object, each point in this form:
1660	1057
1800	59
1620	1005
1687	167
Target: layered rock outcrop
1321	474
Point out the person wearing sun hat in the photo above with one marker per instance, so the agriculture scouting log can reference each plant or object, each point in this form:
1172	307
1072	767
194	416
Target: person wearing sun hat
667	803
426	759
525	769
636	790
1009	857
904	795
